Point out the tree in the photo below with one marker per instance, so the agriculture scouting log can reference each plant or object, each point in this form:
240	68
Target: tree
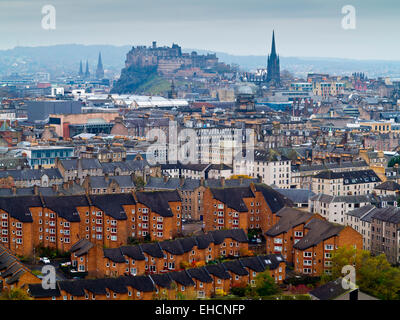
265	284
374	274
139	182
393	161
14	294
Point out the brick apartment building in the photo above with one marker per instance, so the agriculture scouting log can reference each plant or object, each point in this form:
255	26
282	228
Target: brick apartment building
307	240
107	220
246	208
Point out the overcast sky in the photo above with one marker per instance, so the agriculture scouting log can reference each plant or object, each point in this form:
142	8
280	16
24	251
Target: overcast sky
304	28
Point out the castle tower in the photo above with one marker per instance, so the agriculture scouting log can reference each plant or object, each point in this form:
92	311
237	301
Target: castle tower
99	70
273	69
87	73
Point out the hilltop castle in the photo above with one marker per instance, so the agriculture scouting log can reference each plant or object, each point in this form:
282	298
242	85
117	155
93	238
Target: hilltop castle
168	59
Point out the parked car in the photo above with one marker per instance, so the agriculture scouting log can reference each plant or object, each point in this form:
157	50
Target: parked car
44	260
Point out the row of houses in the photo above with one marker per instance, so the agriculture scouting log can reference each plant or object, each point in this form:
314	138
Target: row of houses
203	282
60	221
157	257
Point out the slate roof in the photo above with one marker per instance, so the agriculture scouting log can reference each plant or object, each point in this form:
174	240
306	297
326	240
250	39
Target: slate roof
31	174
157	201
236	267
162	280
289	218
149	283
37	291
217	183
86	163
66	206
152	249
11	269
114	254
172	246
274	199
330	166
133	252
219	236
98	182
123	181
350	177
81	247
388	185
182	277
233	197
200	274
112	204
296	195
388	214
319	230
218	271
18	207
329	291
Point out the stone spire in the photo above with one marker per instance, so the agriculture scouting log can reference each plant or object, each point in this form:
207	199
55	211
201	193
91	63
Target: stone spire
80	69
87	73
99	70
273	68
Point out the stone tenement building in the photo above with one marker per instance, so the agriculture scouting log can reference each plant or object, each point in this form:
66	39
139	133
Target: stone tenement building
168	59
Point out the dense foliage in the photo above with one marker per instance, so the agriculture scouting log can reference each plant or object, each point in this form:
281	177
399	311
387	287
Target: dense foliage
374	274
133	78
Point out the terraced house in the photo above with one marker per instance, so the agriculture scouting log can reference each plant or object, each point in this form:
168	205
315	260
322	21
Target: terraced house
60	221
13	273
200	282
157	257
252	207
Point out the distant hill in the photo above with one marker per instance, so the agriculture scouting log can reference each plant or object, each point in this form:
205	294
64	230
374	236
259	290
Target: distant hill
64	59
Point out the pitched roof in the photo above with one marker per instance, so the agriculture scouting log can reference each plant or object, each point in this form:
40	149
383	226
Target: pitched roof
112	204
81	247
275	200
319	230
350	177
158	201
233	197
66	206
388	185
18	207
289	218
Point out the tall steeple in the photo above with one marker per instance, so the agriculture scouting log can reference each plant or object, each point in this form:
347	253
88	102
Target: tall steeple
80	69
99	70
273	68
87	73
273	50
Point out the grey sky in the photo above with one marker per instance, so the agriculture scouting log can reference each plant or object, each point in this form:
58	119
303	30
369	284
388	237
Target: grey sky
304	28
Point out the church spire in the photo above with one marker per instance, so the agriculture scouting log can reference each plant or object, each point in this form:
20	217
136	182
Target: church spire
273	68
273	50
99	70
87	73
80	69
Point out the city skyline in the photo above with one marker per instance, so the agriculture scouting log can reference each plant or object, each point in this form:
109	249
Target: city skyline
306	30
